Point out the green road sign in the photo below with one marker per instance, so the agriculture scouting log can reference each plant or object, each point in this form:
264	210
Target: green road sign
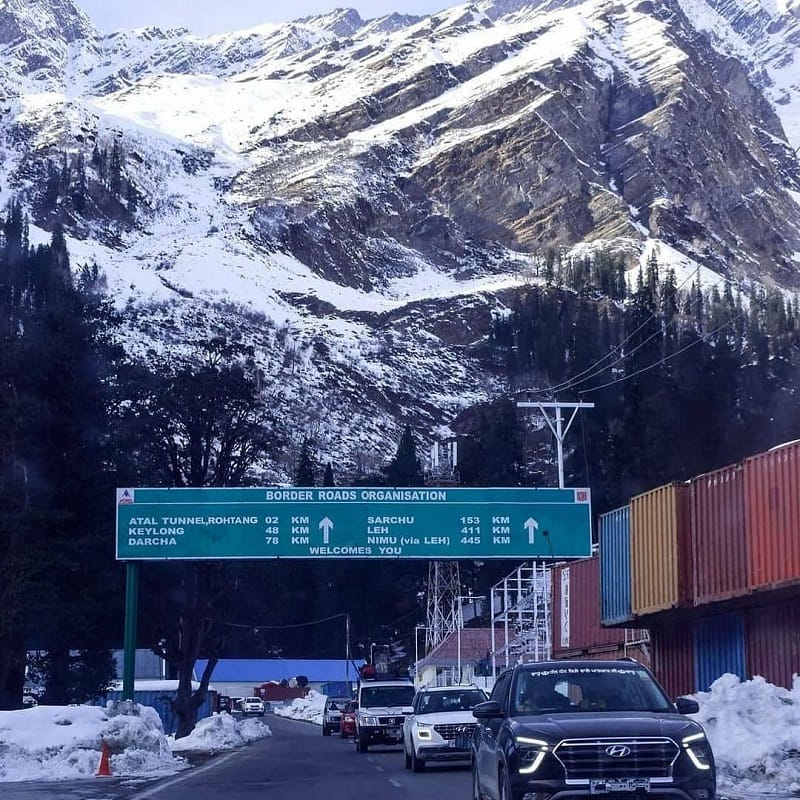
359	522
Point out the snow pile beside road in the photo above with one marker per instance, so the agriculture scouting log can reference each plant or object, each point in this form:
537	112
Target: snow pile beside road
308	708
754	730
220	732
62	742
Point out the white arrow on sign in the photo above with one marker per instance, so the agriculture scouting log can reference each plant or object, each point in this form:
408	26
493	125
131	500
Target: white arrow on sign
326	525
531	525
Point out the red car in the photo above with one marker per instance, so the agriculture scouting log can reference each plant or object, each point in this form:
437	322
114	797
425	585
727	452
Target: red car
347	725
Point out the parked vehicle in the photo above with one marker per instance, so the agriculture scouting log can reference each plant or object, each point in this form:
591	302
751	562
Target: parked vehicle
441	726
586	728
382	707
347	726
332	714
253	706
224	703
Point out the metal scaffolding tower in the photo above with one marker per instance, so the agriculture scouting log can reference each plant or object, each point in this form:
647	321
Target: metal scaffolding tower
521	603
444	588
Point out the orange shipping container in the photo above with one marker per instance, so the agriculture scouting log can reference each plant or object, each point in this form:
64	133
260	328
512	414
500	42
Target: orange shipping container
661	549
772	510
719	543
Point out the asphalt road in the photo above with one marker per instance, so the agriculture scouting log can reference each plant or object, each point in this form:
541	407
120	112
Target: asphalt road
296	763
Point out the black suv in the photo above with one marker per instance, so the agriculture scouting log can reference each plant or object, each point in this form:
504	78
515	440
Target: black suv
576	729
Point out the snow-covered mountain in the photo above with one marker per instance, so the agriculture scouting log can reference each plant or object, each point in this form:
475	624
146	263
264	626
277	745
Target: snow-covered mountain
359	197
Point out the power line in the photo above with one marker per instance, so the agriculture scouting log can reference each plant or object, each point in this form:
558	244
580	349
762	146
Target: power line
664	360
573	381
258	627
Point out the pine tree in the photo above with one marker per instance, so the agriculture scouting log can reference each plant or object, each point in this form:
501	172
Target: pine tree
327	479
405	469
306	471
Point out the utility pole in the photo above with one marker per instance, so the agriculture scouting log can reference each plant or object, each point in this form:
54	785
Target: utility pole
556	425
347	648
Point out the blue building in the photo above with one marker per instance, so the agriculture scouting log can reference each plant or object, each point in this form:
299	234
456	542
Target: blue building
238	677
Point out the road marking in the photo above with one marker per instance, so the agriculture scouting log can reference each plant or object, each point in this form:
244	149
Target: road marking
379	768
157	790
396	784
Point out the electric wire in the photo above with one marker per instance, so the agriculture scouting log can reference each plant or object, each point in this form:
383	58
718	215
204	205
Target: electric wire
664	360
283	627
573	381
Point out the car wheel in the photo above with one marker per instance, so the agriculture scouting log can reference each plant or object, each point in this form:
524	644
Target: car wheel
361	744
407	757
417	764
326	731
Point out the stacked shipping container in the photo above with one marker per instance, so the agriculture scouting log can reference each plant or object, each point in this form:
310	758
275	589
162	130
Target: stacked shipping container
718	535
661	555
723	544
614	536
772	503
577	630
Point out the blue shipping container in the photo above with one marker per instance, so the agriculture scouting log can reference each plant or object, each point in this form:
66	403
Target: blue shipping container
615	566
718	648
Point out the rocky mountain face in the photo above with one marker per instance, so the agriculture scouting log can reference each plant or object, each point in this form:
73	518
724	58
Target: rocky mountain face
358	198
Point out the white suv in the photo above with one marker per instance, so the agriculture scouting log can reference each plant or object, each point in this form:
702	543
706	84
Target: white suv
441	725
382	706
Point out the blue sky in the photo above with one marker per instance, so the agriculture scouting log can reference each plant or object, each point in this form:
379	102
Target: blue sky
218	16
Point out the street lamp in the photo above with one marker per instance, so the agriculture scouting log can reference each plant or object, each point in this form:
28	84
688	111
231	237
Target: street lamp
417	629
460	625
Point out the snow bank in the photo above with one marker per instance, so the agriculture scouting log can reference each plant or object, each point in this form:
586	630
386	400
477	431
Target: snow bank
64	742
754	730
308	708
220	732
61	742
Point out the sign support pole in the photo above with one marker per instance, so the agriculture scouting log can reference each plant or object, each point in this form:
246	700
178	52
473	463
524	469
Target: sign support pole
131	610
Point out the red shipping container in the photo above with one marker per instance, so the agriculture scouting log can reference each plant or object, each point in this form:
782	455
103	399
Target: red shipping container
672	650
719	542
576	609
772	642
772	510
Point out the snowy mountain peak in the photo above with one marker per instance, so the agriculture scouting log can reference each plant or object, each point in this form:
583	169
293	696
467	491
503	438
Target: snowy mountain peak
54	19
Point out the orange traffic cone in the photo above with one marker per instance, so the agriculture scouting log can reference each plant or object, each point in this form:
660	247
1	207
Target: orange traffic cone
104	770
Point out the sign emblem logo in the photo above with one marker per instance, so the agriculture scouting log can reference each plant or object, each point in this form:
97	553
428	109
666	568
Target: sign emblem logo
618	751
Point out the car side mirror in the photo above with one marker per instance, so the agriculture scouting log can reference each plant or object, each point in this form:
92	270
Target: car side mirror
685	705
487	710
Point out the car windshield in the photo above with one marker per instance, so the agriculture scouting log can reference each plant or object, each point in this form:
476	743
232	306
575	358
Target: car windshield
580	689
336	703
373	696
438	702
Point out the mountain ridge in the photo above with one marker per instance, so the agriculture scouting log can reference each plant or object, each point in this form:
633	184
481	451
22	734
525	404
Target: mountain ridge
359	198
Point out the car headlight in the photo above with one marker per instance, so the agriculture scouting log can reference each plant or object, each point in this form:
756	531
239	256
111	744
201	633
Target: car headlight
531	753
367	721
696	747
423	730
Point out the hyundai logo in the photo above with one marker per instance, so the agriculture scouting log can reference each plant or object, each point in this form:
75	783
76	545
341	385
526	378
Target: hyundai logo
618	751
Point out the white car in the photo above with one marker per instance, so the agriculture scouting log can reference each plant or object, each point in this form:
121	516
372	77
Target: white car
332	714
441	726
252	705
